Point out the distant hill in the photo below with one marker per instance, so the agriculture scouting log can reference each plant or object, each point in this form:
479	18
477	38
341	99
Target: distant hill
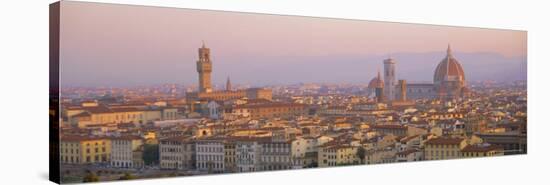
477	66
413	67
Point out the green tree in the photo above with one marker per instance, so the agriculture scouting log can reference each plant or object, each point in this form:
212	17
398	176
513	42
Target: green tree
127	176
90	177
312	165
151	154
361	152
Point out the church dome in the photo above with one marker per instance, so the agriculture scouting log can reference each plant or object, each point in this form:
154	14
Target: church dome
449	69
376	82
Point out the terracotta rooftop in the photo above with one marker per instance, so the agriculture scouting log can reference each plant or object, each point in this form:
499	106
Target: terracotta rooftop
128	137
82	114
406	139
80	138
480	148
444	141
407	152
177	138
387	126
270	105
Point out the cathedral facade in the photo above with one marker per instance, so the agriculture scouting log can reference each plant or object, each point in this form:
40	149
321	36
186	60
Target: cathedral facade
449	82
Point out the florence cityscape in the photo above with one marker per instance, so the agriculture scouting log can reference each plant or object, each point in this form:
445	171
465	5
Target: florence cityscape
265	121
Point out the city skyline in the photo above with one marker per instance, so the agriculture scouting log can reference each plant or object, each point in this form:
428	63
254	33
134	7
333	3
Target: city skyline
163	51
362	92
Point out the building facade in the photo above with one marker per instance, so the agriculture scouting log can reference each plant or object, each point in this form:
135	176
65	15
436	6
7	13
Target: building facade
482	150
247	155
210	155
449	81
252	93
103	114
409	155
444	148
84	150
230	157
275	156
177	153
338	154
270	110
122	151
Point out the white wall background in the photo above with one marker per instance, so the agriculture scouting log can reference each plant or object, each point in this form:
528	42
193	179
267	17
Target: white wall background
24	90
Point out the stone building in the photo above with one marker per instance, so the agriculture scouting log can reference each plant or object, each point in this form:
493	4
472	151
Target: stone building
177	153
206	92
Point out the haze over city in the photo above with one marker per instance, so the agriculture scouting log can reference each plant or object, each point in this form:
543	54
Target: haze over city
150	92
113	45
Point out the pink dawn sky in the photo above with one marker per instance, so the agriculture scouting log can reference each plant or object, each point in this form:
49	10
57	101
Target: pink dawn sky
106	44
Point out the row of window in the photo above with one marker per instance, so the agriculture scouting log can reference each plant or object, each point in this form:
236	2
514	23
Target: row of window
96	150
66	151
249	169
121	142
71	159
441	146
88	159
122	164
174	165
95	143
329	163
175	158
475	154
275	150
176	144
120	117
209	157
275	159
217	148
122	156
207	165
276	167
330	156
448	153
170	115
